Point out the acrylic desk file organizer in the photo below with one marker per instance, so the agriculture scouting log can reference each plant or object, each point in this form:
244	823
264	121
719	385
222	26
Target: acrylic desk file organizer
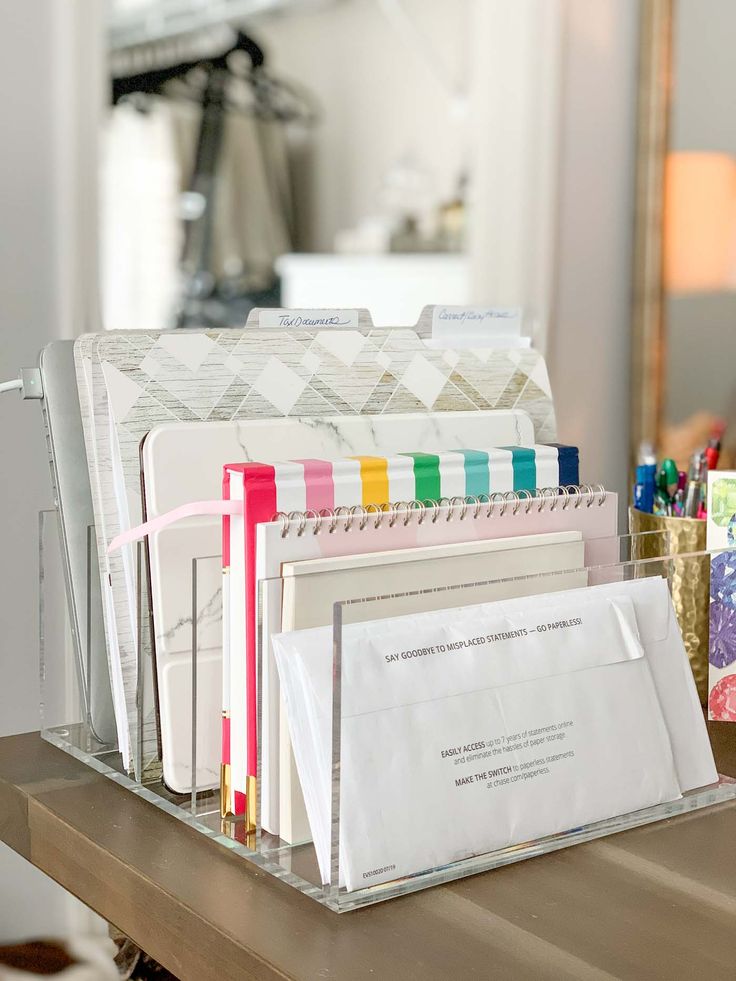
296	863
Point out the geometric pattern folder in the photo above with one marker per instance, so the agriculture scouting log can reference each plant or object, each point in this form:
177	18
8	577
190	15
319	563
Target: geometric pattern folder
132	381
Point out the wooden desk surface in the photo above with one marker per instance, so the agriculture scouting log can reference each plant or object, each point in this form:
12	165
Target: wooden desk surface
655	902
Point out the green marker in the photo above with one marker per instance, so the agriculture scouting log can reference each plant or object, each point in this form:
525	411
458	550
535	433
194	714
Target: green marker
667	478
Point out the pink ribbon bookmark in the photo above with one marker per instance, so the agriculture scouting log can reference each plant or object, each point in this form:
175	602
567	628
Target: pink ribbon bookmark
191	510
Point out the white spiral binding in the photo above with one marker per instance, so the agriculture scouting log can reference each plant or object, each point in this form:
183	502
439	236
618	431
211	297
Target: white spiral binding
451	508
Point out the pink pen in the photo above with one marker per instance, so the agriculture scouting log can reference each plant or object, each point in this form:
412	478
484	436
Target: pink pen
678	502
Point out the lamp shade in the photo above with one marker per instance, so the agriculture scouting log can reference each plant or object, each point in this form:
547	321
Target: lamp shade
699	221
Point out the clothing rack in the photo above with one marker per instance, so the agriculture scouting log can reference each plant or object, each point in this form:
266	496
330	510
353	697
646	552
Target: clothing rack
223	71
164	19
151	81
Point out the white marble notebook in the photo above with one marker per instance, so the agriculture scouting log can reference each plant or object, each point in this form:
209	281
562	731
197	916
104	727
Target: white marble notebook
183	462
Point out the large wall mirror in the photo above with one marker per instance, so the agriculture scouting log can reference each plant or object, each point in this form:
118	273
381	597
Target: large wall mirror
685	302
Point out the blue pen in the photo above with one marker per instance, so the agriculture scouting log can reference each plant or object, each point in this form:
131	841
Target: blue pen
644	487
639	502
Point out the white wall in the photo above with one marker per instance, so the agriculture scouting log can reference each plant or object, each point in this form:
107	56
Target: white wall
381	101
589	346
47	54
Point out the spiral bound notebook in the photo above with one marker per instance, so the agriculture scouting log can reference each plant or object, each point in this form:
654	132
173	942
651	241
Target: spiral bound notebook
289	487
589	512
318	485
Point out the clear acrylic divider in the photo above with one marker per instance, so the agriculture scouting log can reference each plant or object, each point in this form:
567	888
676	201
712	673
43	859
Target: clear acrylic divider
318	590
62	682
187	687
205	696
68	662
145	739
196	732
196	725
349	770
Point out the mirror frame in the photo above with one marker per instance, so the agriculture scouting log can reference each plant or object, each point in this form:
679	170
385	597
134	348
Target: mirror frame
648	338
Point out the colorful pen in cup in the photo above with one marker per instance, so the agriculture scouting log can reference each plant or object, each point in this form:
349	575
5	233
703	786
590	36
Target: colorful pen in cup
666	491
664	497
695	483
644	487
678	505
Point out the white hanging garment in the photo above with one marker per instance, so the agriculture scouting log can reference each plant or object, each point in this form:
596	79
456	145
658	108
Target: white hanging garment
140	233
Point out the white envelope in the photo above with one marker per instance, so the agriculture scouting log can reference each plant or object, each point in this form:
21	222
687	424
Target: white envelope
668	661
401	810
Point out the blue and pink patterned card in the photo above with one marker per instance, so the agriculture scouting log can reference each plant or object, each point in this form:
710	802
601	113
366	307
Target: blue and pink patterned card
721	534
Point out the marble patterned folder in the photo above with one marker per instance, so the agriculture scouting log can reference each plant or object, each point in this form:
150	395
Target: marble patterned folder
170	480
132	381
